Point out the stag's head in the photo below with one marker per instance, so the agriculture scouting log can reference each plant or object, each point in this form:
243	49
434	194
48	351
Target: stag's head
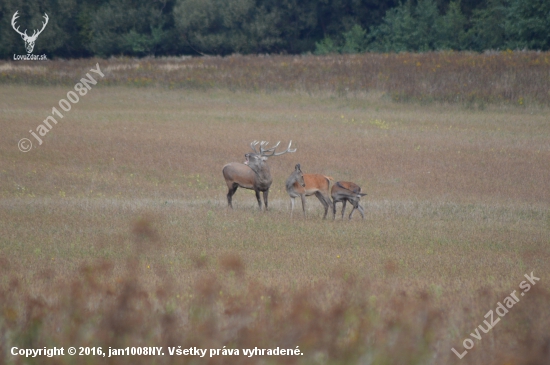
29	41
256	159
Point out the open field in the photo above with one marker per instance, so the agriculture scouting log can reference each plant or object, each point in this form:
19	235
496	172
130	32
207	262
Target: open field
115	231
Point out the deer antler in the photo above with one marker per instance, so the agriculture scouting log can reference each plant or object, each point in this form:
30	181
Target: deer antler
253	146
13	19
272	150
286	151
269	151
262	145
264	150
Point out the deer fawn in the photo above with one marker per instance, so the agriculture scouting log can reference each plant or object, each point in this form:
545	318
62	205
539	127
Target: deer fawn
345	191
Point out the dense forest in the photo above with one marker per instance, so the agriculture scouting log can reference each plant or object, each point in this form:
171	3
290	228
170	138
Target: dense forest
137	28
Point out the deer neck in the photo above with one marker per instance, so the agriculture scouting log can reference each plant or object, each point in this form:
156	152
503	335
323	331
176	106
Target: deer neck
290	182
263	175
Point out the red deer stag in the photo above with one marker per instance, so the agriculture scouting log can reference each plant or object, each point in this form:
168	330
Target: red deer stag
344	191
301	185
254	174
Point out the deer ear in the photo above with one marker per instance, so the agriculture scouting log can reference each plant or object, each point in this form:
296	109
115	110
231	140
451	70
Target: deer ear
297	167
264	158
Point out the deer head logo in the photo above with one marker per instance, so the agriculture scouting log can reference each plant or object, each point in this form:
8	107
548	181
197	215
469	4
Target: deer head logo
29	41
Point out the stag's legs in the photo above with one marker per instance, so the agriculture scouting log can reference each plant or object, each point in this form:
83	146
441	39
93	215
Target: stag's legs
230	194
258	199
265	198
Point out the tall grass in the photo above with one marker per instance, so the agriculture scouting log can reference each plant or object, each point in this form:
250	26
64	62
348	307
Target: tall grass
138	300
517	78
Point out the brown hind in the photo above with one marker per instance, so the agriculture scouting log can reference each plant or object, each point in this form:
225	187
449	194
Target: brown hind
313	184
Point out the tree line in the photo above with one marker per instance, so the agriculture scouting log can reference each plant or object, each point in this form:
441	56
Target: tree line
137	28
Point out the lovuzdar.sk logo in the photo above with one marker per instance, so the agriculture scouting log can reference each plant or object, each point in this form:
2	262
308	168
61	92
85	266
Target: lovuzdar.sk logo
29	40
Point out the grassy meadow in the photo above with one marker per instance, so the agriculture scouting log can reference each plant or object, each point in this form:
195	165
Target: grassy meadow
115	231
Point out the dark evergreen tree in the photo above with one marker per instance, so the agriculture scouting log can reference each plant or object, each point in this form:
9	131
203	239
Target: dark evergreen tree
129	27
395	34
488	27
83	28
528	24
228	26
451	29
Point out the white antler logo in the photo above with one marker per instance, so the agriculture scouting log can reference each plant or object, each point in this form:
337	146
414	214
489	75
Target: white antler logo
29	41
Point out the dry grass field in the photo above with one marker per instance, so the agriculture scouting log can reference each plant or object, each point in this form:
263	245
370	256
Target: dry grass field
115	231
